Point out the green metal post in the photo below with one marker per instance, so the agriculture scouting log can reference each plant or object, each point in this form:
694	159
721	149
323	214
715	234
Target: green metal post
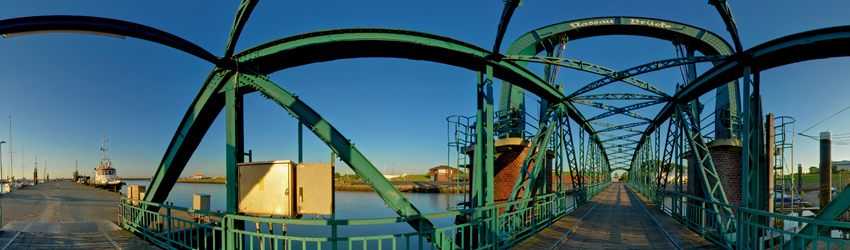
342	146
300	144
490	149
480	140
235	146
234	150
677	179
754	184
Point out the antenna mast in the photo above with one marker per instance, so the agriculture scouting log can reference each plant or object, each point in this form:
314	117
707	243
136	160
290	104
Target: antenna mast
12	176
103	146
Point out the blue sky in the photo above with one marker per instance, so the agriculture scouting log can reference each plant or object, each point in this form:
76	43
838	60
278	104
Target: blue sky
62	90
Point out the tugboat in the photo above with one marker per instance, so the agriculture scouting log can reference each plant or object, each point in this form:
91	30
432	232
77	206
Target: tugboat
105	176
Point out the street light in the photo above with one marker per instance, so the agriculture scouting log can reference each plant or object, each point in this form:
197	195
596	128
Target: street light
1	159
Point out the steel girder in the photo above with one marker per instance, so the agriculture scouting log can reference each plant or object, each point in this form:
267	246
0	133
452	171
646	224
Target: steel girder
377	42
703	164
620	148
726	13
624	138
206	106
358	43
235	147
625	157
613	127
353	43
537	153
618	96
755	167
619	144
510	6
99	26
667	157
532	43
645	68
804	46
242	15
588	67
619	136
704	41
618	110
572	162
482	179
343	147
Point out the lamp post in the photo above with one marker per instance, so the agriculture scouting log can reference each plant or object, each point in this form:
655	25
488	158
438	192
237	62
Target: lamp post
1	159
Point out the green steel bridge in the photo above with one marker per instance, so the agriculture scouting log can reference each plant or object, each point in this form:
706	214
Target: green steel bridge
558	139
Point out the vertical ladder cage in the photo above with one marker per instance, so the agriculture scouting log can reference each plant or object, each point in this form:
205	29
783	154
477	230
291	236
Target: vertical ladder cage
461	136
782	170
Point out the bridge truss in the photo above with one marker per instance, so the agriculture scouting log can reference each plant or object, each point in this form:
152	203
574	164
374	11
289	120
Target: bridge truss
587	149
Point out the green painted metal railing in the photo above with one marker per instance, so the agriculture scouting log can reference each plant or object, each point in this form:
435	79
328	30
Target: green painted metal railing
783	233
160	224
228	231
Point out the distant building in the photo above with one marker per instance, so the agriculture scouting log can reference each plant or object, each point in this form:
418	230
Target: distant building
841	165
442	173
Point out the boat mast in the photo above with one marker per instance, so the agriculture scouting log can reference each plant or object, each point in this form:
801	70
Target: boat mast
103	147
11	175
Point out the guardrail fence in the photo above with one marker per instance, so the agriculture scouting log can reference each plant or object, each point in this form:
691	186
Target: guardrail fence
489	227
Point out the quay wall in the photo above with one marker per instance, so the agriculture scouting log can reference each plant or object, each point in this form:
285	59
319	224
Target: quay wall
403	186
419	187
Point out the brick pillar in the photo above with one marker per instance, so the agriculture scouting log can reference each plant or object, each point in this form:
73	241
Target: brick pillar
726	155
510	154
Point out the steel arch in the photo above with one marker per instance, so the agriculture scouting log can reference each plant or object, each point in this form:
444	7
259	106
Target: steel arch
377	42
99	25
704	41
804	46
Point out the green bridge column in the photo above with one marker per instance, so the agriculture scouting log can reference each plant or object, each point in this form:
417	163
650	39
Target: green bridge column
343	147
235	146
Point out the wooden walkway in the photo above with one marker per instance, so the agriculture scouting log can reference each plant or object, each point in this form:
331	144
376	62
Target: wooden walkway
615	219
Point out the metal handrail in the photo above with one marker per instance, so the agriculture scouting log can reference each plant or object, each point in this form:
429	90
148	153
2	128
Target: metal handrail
545	209
678	206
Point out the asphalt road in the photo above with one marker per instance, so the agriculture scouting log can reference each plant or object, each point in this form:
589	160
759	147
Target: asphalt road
59	201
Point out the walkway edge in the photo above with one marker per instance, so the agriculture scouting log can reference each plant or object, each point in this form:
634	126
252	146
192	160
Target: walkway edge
634	194
579	221
680	233
543	239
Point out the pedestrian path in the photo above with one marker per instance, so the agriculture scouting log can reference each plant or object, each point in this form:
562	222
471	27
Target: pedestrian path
617	218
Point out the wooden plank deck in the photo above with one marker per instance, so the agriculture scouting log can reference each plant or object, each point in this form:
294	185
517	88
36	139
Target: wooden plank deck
614	220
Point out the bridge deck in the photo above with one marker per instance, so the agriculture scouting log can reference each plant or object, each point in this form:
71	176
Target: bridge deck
615	219
64	215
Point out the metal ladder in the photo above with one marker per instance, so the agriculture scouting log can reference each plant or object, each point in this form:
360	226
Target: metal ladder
461	136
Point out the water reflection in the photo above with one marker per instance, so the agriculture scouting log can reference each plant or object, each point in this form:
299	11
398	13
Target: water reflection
349	205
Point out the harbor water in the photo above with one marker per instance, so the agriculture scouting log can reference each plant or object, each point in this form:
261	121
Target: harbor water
348	204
